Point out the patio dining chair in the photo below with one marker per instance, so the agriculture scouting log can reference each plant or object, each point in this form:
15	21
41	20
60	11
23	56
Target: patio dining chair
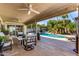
8	43
29	42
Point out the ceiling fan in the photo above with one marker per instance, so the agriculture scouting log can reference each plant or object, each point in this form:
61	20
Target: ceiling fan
30	9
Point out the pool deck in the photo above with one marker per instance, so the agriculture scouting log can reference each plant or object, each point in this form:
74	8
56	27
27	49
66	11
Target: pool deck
45	47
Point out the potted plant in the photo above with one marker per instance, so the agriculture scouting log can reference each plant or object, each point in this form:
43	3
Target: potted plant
2	39
6	32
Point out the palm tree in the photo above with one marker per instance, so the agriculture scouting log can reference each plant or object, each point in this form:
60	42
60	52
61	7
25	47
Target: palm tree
71	27
65	21
51	24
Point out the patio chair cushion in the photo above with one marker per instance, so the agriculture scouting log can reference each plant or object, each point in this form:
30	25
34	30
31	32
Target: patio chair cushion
7	44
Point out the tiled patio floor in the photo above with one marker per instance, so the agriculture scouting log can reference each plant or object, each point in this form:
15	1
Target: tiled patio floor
45	47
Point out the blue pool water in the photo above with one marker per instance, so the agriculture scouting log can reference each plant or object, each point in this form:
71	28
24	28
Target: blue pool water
52	35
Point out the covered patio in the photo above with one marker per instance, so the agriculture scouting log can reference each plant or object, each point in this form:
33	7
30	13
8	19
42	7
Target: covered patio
44	47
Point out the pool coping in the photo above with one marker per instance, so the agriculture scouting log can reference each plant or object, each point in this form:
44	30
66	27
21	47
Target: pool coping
63	39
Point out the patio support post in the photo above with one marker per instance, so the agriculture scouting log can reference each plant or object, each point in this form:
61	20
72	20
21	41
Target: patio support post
36	29
1	21
37	32
5	26
31	27
15	31
77	36
24	29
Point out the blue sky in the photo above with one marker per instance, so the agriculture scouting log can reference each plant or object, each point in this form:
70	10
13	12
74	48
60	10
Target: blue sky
71	17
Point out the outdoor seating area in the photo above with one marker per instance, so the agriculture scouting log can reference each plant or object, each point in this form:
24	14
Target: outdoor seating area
26	43
45	47
21	35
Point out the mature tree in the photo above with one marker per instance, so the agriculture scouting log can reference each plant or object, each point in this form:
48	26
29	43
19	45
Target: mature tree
61	26
71	27
52	23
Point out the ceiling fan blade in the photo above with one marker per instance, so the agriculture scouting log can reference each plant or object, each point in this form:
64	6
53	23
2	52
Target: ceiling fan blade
35	11
22	9
29	12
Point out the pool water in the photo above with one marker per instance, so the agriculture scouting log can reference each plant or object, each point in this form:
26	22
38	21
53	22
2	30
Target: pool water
52	35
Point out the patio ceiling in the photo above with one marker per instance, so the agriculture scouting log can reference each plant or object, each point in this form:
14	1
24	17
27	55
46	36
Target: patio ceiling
47	10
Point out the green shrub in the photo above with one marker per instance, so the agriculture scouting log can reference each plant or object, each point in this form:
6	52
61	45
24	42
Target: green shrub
2	38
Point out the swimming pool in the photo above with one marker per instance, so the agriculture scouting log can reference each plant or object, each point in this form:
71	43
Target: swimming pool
54	36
